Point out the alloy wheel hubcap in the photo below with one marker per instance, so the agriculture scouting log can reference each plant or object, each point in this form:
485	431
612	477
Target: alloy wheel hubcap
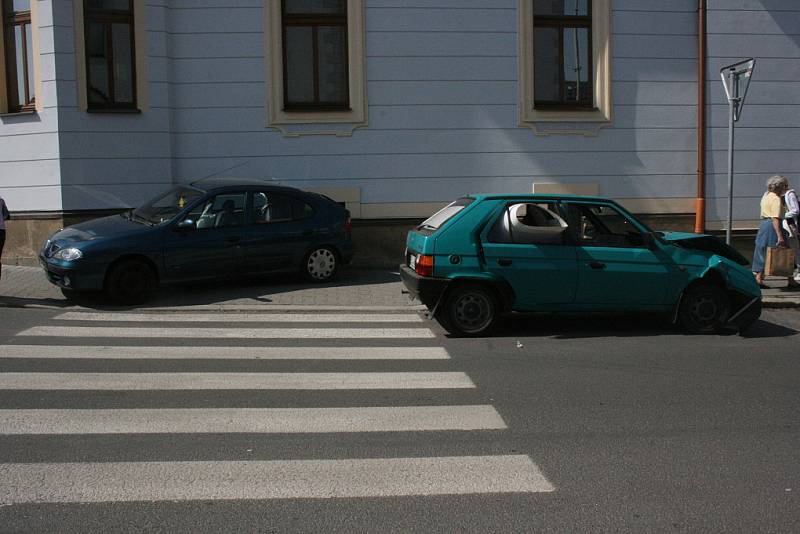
321	264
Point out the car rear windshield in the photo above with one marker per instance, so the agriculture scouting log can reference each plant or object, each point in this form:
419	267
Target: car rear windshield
435	221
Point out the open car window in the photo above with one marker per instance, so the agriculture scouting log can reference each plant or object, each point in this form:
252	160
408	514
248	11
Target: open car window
601	225
529	223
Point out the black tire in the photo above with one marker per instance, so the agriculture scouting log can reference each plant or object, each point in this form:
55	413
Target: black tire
469	311
130	282
704	309
320	265
71	294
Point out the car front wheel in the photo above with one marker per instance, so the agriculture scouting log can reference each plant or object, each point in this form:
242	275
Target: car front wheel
704	309
320	265
469	310
130	282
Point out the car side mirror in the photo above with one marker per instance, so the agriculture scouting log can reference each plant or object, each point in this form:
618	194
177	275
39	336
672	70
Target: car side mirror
185	225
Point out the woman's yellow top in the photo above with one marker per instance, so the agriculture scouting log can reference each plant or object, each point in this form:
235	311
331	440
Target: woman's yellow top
771	206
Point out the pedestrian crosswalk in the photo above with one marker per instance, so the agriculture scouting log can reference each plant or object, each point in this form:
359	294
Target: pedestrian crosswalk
100	359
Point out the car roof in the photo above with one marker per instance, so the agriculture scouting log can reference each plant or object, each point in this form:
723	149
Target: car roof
536	196
210	184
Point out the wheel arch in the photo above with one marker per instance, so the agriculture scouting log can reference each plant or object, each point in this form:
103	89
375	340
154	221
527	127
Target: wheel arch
501	289
133	257
710	276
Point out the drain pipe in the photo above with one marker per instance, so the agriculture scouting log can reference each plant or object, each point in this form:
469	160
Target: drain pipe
700	202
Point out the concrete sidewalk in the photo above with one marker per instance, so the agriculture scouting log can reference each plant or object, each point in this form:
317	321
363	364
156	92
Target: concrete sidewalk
366	289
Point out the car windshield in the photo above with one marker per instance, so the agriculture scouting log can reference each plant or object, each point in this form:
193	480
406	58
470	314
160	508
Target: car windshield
166	206
445	214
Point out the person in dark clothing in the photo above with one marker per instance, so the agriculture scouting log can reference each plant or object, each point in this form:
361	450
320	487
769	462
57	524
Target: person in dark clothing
4	216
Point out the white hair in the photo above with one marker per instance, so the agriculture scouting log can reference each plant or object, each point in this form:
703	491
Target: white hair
777	184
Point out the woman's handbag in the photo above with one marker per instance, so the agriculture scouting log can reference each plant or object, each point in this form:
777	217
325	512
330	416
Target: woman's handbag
780	261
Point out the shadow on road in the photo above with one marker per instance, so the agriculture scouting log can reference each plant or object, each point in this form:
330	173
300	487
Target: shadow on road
347	289
579	326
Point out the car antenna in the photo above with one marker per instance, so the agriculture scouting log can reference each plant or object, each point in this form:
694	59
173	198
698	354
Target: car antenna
220	172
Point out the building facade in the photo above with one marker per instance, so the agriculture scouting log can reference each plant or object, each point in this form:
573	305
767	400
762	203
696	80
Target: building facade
393	107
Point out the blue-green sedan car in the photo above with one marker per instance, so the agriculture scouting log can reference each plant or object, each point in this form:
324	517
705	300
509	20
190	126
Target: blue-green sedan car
486	255
210	229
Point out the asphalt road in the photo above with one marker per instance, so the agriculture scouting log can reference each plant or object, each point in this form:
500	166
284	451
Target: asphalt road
383	424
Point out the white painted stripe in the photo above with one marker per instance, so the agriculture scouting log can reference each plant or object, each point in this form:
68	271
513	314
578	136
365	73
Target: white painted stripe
200	381
256	420
228	333
245	317
223	353
281	479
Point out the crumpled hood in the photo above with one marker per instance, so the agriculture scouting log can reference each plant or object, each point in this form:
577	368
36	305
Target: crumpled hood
705	242
113	226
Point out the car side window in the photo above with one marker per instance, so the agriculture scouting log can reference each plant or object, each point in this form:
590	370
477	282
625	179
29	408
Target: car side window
529	223
222	211
601	225
275	207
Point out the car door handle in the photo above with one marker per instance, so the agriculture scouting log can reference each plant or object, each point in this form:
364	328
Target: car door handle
234	239
307	233
504	262
597	265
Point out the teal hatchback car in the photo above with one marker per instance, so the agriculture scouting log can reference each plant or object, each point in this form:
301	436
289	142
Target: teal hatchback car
484	256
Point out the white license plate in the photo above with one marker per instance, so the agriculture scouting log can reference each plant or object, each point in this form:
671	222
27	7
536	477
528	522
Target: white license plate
412	261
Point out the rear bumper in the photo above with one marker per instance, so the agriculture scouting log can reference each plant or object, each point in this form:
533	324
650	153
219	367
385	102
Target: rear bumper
427	290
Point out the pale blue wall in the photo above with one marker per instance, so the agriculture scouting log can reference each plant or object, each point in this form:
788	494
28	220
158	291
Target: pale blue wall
442	89
113	160
768	134
29	164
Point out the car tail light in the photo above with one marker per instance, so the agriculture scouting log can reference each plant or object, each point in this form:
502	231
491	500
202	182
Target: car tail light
348	223
424	266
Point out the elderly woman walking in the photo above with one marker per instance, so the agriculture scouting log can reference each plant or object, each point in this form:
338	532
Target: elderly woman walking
770	231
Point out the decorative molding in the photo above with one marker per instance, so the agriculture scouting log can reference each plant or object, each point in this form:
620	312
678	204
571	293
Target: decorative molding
297	124
586	123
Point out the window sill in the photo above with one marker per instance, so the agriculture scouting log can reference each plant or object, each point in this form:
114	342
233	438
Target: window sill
123	111
566	122
18	113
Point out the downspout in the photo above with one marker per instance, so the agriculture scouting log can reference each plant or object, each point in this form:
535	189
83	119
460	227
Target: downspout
700	202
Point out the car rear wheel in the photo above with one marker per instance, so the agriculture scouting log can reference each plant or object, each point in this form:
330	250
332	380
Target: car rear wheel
704	309
469	310
130	282
320	264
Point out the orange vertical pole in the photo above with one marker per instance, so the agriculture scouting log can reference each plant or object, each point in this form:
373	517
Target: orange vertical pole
700	202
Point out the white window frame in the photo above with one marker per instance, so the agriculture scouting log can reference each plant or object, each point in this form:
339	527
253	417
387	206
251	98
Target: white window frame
140	56
546	122
322	122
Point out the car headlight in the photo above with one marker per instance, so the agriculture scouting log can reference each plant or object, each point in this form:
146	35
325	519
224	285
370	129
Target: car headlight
68	254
